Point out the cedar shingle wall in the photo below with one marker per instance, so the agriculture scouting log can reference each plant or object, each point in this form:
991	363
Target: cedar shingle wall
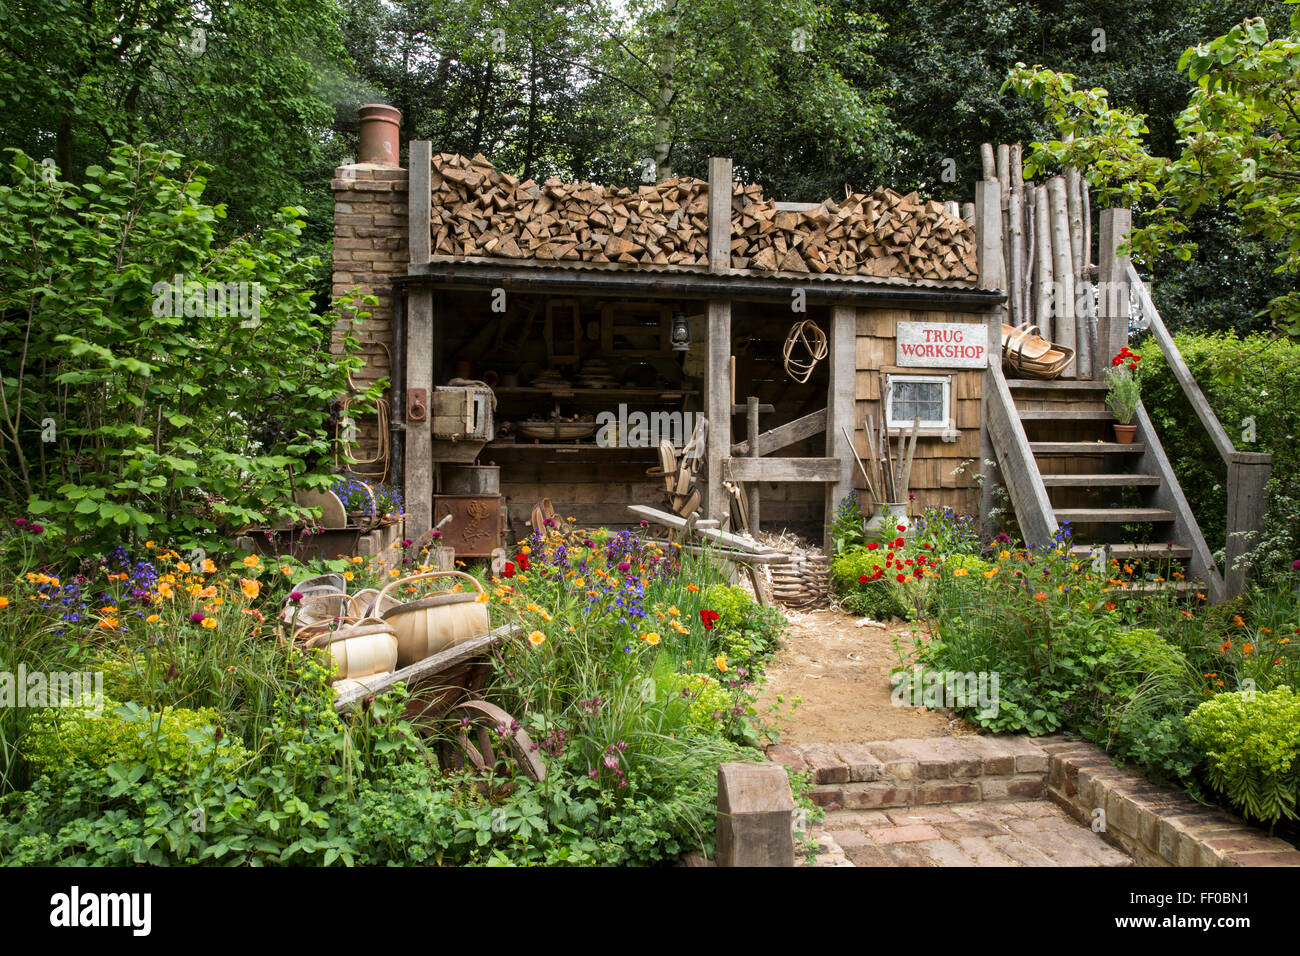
932	480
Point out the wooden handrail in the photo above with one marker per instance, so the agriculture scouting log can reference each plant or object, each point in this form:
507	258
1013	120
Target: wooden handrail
1181	372
1016	461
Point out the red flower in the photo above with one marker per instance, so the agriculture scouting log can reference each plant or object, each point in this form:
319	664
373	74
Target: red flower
708	619
523	562
902	578
873	545
863	579
509	569
901	527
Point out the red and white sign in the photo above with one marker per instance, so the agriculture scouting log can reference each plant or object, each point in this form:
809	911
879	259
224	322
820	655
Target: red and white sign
942	345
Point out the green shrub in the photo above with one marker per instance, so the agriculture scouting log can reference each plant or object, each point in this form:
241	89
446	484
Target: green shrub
706	699
746	631
1252	384
1251	745
129	734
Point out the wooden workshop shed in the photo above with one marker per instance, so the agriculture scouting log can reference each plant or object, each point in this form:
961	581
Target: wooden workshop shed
572	301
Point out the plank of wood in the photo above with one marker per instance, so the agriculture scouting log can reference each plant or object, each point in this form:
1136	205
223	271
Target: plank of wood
840	409
739	557
1112	287
1055	385
441	661
1016	462
1118	480
1113	515
782	436
418	208
1085	448
725	538
719	214
1064	415
1132	551
781	469
1248	474
717	404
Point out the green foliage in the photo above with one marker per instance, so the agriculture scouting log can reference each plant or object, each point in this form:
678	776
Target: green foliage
847	530
1239	139
747	632
1252	744
1251	383
125	414
168	740
1123	394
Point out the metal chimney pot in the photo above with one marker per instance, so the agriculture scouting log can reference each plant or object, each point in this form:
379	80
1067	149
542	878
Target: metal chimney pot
380	126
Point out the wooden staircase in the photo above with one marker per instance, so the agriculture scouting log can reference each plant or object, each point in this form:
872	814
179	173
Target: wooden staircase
1056	450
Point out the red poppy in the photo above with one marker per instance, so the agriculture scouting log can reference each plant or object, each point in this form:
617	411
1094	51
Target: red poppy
708	619
509	571
873	545
523	562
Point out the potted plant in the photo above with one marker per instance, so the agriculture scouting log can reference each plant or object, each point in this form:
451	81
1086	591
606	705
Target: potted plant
1123	393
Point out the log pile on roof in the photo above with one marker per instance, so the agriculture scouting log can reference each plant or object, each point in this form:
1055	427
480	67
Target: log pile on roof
477	210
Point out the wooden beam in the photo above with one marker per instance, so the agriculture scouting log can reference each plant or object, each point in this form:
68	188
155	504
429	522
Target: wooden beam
419	196
677	523
717	405
841	410
1170	497
781	436
1016	462
1247	494
988	235
1112	288
418	475
755	505
719	214
474	647
782	469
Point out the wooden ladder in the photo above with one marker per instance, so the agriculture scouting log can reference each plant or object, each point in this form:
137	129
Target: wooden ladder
1064	470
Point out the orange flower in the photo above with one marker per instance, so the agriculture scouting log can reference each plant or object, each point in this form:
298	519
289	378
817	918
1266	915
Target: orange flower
165	590
1040	596
209	623
1236	619
251	561
691	587
250	587
108	623
4	602
1247	648
151	619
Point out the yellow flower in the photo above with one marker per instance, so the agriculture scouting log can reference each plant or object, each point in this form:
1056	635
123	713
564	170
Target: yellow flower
482	598
251	561
533	607
151	619
720	662
149	545
1002	556
650	638
989	574
348	575
672	609
250	587
579	582
525	550
358	559
209	623
537	638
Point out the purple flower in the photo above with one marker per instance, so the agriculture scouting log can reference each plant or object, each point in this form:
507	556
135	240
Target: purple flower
1295	565
20	521
593	773
295	596
407	542
35	529
437	534
196	617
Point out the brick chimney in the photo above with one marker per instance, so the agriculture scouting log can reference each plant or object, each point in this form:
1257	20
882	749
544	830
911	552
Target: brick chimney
370	246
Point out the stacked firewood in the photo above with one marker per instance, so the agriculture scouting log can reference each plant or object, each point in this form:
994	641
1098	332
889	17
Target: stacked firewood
481	211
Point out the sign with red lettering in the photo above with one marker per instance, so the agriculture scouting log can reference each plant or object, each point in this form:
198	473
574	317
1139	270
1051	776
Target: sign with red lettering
942	345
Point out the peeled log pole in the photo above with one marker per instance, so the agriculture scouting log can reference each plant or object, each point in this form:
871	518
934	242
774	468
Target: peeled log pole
1074	201
1016	280
1027	292
986	158
1065	330
1043	251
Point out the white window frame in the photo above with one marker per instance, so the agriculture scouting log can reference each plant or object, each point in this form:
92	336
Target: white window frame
942	424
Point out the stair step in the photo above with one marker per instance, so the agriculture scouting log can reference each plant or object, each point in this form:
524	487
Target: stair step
1147	588
1055	385
1111	515
1100	481
1065	415
1085	448
1129	551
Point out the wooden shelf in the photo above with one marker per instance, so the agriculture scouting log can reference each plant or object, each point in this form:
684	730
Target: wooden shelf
661	394
564	446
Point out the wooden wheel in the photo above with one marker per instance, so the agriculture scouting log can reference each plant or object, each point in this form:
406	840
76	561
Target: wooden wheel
486	734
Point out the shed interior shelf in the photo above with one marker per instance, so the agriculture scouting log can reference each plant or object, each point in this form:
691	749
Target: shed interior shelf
660	394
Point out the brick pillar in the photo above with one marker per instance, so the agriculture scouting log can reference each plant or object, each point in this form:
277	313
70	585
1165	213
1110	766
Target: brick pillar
370	248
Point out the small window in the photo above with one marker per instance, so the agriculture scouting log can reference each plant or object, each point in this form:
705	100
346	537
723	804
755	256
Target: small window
913	396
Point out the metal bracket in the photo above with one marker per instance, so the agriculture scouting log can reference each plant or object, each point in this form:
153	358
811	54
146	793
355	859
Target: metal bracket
417	404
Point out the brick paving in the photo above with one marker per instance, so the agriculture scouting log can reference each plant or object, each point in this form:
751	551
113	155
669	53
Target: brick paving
990	833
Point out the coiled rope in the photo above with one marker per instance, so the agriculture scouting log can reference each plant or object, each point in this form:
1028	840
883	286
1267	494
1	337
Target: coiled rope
813	339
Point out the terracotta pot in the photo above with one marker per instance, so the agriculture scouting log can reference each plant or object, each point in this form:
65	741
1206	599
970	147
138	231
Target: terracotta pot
379	130
1124	433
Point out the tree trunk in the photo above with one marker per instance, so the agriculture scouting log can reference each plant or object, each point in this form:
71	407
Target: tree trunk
1065	332
1043	299
666	66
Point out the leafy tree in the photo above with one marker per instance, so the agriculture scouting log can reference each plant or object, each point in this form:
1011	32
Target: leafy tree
145	358
1239	146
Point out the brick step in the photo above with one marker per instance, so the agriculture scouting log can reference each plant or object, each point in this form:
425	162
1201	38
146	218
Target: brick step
1135	551
1108	480
1112	515
913	772
1086	448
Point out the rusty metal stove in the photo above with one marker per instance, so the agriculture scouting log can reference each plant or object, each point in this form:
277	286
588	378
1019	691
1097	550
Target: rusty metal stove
477	526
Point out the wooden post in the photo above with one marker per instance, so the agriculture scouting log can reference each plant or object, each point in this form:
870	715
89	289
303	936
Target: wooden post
1065	330
1043	273
751	421
1112	287
1248	474
717	405
755	815
988	235
840	408
719	214
418	468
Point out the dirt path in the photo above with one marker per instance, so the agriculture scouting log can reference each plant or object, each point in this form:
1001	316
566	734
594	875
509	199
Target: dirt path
842	673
